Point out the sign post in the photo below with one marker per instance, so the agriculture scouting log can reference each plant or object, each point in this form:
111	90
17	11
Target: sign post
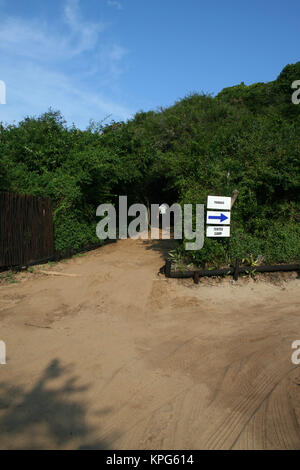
214	217
216	231
219	202
221	217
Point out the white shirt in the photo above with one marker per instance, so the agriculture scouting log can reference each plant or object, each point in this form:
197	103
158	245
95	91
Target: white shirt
163	208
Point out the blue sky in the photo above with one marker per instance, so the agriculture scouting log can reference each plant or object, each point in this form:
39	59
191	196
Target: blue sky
94	58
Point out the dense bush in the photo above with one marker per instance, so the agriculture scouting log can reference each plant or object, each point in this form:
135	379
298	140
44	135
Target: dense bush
247	137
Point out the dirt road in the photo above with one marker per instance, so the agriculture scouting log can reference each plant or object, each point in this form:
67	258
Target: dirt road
118	357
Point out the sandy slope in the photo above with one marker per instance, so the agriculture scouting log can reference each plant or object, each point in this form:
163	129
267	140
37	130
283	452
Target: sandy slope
120	357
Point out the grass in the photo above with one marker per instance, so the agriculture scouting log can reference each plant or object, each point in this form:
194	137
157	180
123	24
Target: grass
8	277
79	255
51	263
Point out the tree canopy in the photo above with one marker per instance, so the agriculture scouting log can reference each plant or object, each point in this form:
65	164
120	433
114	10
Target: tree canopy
246	137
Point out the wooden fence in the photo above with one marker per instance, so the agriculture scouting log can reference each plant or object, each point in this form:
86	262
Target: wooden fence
26	230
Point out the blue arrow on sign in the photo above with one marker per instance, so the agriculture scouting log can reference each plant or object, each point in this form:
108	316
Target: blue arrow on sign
221	217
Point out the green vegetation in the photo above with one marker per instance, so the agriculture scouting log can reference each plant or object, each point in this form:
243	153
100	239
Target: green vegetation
8	277
247	137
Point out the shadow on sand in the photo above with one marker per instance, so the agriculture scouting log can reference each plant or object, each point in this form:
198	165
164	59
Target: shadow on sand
47	416
161	246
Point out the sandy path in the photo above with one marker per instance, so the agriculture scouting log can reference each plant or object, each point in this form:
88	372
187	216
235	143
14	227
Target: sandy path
122	358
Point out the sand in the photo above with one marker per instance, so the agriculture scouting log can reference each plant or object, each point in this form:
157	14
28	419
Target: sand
119	357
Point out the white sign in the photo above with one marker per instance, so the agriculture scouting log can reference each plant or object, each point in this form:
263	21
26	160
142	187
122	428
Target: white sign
216	217
215	231
218	202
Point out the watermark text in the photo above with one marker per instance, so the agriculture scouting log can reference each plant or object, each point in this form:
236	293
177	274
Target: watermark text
2	92
2	353
188	223
296	354
296	94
